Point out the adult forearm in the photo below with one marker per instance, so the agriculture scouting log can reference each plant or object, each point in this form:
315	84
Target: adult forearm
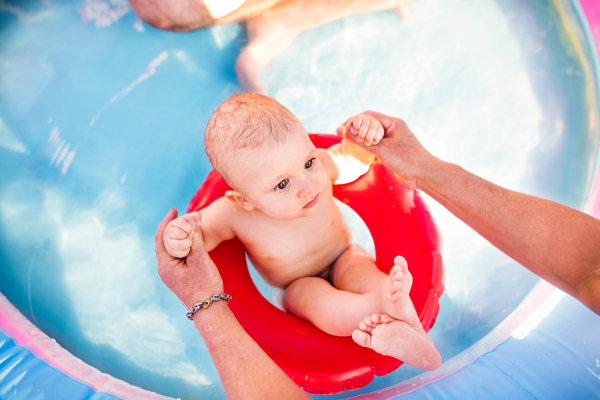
557	243
244	368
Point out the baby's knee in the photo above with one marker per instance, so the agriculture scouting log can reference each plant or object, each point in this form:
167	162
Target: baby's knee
358	250
300	288
300	293
355	254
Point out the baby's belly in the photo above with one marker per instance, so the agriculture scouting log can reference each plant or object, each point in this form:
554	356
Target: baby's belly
280	271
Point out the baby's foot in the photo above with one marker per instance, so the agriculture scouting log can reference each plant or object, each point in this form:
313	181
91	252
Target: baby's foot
393	292
397	339
382	340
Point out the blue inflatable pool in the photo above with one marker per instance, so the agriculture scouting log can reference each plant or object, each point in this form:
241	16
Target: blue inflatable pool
101	124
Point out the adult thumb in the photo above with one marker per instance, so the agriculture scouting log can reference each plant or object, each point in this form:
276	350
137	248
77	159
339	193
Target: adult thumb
198	251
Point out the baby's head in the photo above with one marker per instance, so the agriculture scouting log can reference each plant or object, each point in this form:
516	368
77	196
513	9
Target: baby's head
263	152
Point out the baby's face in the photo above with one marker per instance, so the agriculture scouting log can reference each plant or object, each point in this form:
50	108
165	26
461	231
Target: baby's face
283	181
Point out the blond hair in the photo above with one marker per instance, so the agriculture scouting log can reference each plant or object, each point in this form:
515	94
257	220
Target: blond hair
245	121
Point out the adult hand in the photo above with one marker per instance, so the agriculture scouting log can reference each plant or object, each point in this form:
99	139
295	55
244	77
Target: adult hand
399	150
194	278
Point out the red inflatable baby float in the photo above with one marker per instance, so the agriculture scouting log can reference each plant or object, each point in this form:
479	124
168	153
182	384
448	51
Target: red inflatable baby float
320	363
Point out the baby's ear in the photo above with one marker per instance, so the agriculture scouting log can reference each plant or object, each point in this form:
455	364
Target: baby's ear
240	199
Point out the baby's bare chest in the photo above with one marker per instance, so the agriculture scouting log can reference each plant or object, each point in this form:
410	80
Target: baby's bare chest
282	254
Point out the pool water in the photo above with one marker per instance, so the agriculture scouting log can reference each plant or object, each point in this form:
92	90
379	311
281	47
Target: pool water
101	124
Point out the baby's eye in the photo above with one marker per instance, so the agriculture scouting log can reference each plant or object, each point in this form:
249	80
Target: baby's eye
282	185
309	164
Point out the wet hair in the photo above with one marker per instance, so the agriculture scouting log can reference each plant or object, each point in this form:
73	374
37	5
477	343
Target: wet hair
244	122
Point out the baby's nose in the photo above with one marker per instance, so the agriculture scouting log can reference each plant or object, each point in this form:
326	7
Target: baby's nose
307	187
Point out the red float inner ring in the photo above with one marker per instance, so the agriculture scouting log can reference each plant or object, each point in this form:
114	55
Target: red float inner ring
400	224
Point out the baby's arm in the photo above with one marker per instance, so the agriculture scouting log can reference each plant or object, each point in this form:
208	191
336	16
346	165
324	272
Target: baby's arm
214	220
348	160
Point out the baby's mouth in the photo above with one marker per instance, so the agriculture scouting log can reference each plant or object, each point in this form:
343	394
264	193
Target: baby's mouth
312	202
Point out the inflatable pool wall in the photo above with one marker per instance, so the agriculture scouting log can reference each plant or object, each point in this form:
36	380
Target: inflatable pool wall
545	348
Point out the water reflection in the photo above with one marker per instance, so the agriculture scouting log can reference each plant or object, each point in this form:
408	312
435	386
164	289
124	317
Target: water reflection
482	86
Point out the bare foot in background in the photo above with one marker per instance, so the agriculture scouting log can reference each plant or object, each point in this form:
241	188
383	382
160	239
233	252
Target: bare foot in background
272	24
275	29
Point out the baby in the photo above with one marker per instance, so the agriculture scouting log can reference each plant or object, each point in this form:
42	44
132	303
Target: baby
281	208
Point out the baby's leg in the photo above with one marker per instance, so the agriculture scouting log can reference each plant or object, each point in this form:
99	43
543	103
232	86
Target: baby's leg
390	337
355	271
334	311
339	312
403	339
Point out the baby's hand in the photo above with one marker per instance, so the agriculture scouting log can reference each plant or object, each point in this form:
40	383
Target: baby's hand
178	234
366	128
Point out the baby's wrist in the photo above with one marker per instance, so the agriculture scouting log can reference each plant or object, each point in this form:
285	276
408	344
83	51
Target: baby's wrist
357	152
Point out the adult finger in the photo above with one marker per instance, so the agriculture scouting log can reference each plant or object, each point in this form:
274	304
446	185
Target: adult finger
379	134
180	253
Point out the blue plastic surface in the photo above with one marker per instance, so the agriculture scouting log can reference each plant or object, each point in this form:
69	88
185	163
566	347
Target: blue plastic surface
23	376
101	123
558	359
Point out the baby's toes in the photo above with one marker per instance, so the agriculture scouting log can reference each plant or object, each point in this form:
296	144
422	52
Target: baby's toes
397	296
397	268
396	287
368	321
398	276
396	273
375	319
408	279
362	326
366	325
401	262
361	338
385	318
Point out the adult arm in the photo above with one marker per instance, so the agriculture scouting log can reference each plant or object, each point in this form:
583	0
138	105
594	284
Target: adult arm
244	368
558	243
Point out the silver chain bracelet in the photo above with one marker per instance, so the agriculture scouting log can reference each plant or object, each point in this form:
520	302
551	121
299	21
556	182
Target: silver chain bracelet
205	304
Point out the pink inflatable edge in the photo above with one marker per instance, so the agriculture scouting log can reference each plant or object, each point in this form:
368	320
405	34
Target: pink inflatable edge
27	334
591	9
